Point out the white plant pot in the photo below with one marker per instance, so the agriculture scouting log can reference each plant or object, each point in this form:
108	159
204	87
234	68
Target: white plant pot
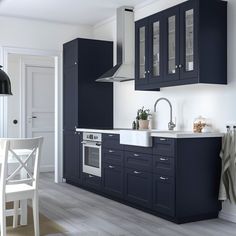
143	124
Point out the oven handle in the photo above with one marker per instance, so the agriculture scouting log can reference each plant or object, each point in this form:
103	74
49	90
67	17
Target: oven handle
91	144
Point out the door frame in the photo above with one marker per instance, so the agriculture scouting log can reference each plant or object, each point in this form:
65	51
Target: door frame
57	56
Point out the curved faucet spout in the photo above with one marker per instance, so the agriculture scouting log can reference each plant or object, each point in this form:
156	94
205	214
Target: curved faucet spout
171	124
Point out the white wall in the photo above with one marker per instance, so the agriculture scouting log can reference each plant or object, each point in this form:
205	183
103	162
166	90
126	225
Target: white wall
215	102
35	34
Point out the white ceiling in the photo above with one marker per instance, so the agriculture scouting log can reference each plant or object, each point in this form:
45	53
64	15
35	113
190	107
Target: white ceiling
88	12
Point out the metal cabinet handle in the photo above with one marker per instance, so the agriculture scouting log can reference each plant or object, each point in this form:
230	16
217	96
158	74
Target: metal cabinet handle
90	176
176	66
75	63
111	167
83	142
162	139
180	66
110	135
136	155
137	172
111	151
163	178
163	159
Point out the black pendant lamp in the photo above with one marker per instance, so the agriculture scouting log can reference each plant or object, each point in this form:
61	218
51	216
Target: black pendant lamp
5	84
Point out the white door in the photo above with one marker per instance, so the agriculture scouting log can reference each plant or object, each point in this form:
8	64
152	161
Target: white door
40	111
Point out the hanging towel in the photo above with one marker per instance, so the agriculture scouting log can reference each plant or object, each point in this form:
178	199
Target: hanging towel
228	174
225	160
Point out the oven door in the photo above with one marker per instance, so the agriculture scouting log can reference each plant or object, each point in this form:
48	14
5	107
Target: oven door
92	161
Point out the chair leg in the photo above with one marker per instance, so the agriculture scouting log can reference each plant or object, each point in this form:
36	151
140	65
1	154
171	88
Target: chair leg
24	217
3	219
15	216
36	215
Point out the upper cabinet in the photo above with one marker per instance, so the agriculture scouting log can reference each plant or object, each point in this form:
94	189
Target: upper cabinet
185	44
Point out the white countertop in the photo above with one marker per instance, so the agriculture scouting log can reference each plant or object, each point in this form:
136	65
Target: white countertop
158	133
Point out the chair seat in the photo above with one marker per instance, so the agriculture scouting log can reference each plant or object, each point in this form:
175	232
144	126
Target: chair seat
19	191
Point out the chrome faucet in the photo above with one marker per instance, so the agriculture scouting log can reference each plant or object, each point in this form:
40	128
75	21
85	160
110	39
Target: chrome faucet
171	124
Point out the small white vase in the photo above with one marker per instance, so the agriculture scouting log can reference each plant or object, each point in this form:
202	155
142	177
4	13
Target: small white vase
143	124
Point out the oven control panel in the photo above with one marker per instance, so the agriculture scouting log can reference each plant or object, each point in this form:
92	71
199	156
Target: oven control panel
96	137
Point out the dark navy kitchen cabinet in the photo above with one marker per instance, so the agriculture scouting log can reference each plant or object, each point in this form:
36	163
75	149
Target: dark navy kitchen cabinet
72	156
185	44
138	187
113	180
177	178
86	103
164	194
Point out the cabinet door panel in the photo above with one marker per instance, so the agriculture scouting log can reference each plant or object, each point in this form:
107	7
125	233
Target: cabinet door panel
70	98
113	180
138	187
164	195
71	156
141	52
155	49
188	40
172	43
70	54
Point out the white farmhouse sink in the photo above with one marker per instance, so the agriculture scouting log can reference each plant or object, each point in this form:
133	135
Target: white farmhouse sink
140	138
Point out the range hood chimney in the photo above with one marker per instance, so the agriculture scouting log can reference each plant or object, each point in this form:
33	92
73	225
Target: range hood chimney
124	69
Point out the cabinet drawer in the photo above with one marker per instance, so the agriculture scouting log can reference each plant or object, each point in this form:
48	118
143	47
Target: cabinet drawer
164	146
138	160
137	149
111	141
138	187
163	165
111	136
91	181
112	156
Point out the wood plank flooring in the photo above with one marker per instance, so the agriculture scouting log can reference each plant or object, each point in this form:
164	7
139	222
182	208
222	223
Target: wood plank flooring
82	213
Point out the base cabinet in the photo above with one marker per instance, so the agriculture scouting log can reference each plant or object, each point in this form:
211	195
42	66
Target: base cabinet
164	195
177	179
138	187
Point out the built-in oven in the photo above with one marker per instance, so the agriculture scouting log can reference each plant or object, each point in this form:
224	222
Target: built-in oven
92	153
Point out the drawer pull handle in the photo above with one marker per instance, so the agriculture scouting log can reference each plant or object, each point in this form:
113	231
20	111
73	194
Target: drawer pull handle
111	151
136	155
91	176
137	172
163	159
162	139
111	167
163	178
110	135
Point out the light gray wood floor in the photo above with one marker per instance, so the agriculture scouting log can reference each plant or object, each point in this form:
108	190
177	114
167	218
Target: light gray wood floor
82	213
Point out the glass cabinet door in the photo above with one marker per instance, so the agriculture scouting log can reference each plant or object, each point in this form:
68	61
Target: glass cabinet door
189	40
188	44
155	50
171	44
142	52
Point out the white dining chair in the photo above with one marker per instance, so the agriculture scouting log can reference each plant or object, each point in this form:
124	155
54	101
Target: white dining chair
14	186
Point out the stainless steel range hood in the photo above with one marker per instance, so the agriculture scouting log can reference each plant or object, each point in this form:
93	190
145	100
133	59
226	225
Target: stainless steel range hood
124	69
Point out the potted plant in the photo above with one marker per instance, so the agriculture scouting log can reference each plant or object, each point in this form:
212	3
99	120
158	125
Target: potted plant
142	117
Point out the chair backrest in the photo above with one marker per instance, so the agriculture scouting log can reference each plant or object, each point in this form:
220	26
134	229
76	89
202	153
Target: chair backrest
24	155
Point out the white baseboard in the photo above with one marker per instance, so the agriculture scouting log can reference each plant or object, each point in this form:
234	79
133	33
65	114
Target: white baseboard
227	216
48	168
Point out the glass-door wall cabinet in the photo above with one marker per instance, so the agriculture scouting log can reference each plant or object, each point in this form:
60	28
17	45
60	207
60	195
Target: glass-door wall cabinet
185	44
